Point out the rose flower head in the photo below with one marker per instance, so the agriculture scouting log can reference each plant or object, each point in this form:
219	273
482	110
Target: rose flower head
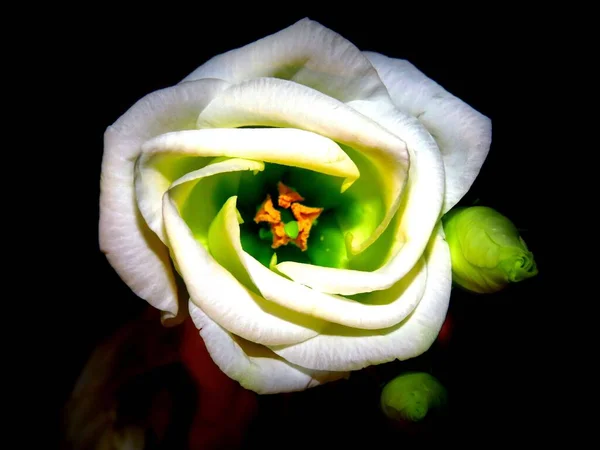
288	194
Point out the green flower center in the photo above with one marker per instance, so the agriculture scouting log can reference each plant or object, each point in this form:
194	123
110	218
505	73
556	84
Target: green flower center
355	213
285	223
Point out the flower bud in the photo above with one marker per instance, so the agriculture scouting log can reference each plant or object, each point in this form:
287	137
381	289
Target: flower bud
486	249
410	396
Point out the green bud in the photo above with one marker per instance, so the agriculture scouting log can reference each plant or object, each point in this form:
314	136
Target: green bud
486	249
411	395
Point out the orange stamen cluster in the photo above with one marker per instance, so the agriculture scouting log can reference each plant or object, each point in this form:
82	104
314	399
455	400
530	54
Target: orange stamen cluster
279	235
287	196
304	215
267	212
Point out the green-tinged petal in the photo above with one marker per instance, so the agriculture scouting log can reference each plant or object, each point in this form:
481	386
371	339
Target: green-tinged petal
279	103
132	249
221	296
463	134
306	53
221	247
363	214
254	366
343	348
381	309
418	213
285	146
199	195
153	177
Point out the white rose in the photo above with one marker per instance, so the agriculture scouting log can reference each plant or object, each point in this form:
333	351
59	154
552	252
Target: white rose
382	149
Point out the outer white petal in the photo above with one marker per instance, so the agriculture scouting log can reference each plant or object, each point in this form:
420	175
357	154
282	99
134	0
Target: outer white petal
341	348
383	309
134	251
463	134
272	102
418	213
254	366
306	53
285	146
222	296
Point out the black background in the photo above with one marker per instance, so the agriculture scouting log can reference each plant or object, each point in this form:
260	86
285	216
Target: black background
492	365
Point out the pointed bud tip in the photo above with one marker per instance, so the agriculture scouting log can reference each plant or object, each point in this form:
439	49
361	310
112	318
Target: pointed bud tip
486	249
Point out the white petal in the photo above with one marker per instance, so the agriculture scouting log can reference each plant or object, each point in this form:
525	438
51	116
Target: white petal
254	366
133	250
418	213
340	348
463	134
222	296
279	103
306	53
286	146
379	310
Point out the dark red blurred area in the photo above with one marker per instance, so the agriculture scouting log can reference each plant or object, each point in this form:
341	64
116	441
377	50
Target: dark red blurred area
225	409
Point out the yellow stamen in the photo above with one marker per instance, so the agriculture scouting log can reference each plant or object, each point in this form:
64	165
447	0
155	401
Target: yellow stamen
305	215
287	196
267	212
